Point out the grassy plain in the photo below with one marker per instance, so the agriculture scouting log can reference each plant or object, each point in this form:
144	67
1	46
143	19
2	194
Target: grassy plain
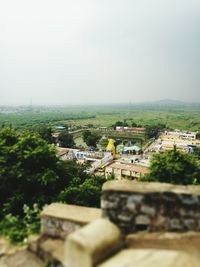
175	117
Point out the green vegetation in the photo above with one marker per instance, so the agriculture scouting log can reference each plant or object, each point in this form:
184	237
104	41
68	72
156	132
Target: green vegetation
65	139
91	138
46	133
120	123
17	228
174	167
38	117
186	117
152	131
31	174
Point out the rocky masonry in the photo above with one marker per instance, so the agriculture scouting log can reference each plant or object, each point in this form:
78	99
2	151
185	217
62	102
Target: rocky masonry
151	206
58	220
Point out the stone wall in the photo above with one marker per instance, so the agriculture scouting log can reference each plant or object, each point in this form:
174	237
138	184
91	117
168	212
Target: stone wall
151	206
59	220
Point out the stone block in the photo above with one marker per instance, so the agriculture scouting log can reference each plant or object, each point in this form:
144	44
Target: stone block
92	243
59	220
159	206
175	224
142	220
151	211
74	213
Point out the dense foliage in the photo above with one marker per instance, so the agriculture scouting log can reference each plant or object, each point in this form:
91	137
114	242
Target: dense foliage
174	167
32	174
152	131
90	138
46	133
120	123
65	139
175	117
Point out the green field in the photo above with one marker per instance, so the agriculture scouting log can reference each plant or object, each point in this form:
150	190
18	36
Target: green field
175	117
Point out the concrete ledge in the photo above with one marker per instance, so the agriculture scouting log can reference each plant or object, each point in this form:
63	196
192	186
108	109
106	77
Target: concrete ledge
52	250
72	213
189	241
92	243
145	188
59	220
150	258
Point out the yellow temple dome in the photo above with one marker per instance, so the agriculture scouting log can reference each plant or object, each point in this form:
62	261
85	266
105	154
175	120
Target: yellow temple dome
111	147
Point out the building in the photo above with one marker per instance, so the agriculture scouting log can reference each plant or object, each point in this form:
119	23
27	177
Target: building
128	171
135	130
121	149
184	135
111	147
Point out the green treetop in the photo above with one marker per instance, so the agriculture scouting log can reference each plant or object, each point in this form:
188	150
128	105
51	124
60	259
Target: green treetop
174	167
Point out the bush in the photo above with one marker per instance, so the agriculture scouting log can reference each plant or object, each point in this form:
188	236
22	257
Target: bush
17	228
174	167
31	172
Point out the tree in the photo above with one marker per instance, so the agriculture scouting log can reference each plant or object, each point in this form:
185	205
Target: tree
90	138
29	170
46	133
174	167
120	123
85	193
31	173
86	134
65	139
197	152
134	124
152	131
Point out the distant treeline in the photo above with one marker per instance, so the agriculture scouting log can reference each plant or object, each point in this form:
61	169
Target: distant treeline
28	119
182	116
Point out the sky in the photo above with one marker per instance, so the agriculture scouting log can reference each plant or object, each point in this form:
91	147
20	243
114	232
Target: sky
99	51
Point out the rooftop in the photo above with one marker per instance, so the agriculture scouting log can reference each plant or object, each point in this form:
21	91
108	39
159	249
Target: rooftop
129	167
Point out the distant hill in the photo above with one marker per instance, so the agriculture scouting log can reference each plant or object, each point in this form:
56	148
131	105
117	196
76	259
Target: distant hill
170	103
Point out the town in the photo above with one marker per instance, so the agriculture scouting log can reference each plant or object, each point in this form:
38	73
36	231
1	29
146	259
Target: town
128	156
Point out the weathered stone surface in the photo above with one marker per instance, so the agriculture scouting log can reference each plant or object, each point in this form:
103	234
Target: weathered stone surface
190	224
21	258
175	224
142	220
150	258
59	220
162	206
188	199
92	243
73	213
33	241
5	247
136	198
159	223
132	207
109	204
125	217
188	241
151	211
144	188
52	250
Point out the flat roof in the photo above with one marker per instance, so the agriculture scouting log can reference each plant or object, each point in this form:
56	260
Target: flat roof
129	167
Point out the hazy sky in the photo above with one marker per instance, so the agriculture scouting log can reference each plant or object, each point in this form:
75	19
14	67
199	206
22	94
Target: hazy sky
99	51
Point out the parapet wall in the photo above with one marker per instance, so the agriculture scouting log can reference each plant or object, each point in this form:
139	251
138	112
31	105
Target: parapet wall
134	206
59	220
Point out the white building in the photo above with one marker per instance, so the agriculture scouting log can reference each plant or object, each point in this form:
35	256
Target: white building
185	135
